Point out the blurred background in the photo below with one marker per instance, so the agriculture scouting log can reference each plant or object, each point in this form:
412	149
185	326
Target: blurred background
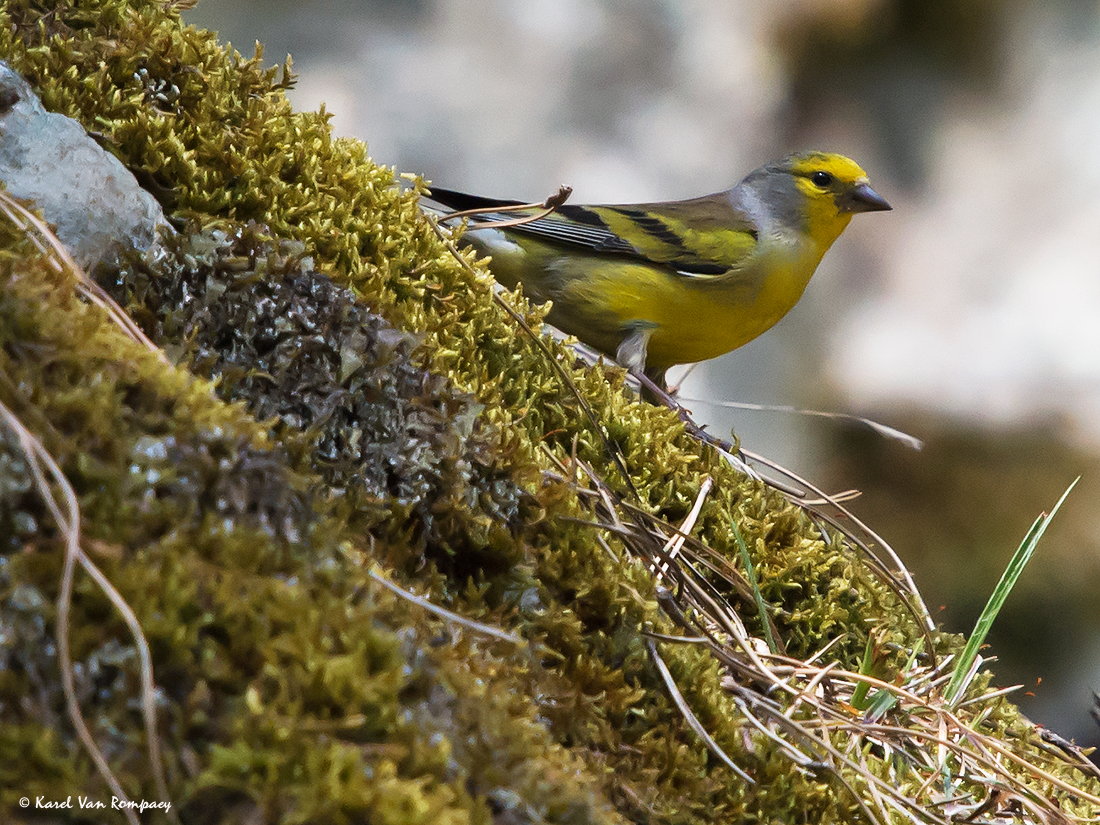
969	316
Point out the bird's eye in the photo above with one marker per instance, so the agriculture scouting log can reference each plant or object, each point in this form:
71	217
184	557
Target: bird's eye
821	179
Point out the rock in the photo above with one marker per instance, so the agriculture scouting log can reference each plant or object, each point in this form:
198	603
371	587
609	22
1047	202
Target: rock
94	203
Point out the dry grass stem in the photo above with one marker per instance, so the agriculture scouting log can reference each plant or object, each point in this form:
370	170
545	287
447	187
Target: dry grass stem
67	517
672	548
544	208
470	624
690	717
61	261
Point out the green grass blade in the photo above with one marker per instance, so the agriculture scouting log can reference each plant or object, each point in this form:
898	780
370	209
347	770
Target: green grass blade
750	572
859	695
964	667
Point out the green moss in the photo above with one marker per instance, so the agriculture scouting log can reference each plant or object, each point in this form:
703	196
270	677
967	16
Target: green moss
267	637
349	396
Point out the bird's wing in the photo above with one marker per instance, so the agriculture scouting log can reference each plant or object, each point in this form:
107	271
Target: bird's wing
701	237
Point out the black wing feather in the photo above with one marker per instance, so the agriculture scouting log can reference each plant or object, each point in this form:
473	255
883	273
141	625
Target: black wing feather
582	226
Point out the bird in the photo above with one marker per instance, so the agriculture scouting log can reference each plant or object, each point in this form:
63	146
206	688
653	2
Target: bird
654	285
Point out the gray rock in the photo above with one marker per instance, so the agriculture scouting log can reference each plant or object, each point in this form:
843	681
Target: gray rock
95	204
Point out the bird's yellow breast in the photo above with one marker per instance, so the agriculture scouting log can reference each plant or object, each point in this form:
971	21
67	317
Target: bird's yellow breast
690	318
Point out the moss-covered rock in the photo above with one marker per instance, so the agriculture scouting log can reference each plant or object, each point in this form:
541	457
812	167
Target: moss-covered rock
348	401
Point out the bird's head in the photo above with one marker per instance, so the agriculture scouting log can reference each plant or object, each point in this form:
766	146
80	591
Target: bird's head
817	192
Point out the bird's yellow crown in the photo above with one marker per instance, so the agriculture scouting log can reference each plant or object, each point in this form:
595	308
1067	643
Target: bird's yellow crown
825	180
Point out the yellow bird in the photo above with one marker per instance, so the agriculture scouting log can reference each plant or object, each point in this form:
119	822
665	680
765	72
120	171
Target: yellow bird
658	284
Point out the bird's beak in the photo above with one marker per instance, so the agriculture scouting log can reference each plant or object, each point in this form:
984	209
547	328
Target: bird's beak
862	198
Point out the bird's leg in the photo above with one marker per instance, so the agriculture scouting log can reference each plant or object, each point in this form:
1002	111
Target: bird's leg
654	389
632	355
